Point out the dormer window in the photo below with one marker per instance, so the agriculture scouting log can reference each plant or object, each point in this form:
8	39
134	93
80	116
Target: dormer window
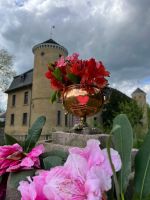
23	76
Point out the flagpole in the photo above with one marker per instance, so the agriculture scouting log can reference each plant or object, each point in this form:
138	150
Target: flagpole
51	31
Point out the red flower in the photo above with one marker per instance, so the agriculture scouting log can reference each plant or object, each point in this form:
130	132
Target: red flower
56	85
77	68
48	75
73	70
101	69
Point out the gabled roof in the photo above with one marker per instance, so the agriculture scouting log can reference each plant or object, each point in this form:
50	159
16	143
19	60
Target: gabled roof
20	81
138	90
3	115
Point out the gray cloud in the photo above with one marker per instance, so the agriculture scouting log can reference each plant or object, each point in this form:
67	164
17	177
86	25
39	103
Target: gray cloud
114	31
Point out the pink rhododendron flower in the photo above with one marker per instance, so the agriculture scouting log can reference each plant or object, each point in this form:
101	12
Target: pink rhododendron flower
9	156
73	57
32	158
60	186
115	159
86	175
12	158
61	62
33	190
95	156
27	190
97	182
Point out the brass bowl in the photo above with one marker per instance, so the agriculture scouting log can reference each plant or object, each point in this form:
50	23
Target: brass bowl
82	101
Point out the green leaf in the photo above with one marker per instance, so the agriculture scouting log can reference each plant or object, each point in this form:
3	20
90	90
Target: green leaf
53	97
58	94
136	197
123	142
52	161
57	73
9	140
16	177
58	153
115	128
74	78
34	133
142	169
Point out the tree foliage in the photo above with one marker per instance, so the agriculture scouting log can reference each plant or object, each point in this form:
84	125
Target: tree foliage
133	111
6	69
148	114
120	103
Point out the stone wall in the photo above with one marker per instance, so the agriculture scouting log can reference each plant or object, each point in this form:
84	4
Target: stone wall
18	109
63	140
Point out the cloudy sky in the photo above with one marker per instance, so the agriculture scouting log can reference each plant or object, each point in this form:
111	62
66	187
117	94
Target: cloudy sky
114	31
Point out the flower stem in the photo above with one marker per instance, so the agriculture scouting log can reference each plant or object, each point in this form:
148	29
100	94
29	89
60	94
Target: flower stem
117	188
122	196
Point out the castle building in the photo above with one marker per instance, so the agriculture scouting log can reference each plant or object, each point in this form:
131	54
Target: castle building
29	94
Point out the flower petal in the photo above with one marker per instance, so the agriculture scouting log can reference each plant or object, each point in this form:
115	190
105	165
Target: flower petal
116	160
77	166
27	162
36	151
27	190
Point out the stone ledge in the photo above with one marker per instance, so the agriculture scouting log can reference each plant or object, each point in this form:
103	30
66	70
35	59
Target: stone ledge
74	139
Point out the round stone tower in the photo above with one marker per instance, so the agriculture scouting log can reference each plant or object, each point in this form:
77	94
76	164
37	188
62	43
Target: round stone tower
44	53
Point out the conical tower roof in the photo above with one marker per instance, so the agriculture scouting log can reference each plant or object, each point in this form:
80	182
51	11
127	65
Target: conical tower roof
49	43
138	90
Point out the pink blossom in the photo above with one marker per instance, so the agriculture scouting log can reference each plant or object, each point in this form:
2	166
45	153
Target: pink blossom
33	190
61	62
86	175
60	186
12	158
55	184
73	57
27	190
115	159
97	182
32	158
92	152
95	156
77	166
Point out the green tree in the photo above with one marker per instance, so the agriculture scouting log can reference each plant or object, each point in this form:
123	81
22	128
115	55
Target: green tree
148	114
120	103
133	111
112	108
6	69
